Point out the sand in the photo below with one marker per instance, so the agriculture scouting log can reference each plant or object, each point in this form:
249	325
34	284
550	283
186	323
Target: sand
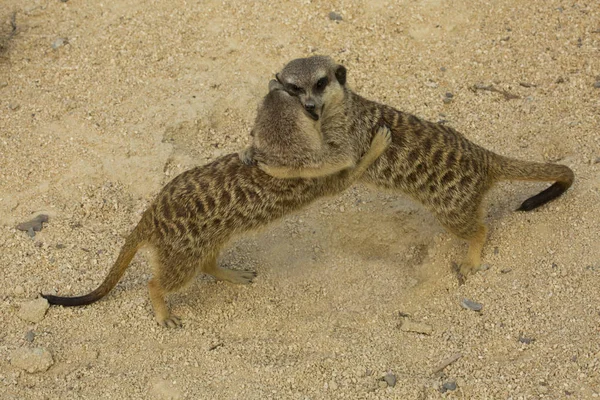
102	103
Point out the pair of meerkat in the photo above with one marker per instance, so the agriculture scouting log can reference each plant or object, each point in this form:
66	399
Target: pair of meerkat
197	213
433	163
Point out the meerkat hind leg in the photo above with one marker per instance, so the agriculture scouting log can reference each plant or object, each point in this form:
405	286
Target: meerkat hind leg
161	311
210	267
472	262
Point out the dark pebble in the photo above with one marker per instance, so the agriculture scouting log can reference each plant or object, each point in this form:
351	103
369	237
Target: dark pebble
597	85
34	225
390	379
526	340
443	69
449	95
335	16
29	336
448	386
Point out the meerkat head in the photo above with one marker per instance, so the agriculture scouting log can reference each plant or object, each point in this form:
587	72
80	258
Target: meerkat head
317	81
284	133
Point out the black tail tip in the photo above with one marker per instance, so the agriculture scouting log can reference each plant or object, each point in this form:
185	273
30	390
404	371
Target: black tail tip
555	190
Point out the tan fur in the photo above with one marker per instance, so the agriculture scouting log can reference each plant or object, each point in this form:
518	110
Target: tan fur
304	155
196	213
433	163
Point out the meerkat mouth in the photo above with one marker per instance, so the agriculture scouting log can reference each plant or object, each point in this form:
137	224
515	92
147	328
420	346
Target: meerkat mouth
313	115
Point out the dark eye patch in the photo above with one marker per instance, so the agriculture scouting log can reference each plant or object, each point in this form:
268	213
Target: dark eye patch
294	88
321	83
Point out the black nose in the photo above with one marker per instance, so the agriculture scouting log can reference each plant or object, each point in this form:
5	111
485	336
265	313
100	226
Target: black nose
309	106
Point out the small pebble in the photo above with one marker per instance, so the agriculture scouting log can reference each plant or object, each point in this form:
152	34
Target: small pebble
32	360
448	386
335	16
449	95
417	327
60	42
29	336
34	225
18	290
14	106
3	84
383	384
471	305
33	311
390	379
443	69
447	100
526	340
597	85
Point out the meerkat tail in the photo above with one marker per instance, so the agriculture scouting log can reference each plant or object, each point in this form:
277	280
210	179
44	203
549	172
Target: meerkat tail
132	244
512	169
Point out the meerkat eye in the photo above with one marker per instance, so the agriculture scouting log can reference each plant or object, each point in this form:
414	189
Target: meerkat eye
294	88
321	83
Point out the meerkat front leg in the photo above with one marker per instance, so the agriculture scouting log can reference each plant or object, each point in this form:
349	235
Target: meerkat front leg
381	141
246	155
321	170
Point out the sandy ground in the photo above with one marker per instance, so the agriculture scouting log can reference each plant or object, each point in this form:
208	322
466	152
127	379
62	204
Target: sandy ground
92	126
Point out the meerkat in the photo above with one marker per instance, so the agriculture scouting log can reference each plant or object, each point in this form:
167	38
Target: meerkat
433	163
196	213
293	155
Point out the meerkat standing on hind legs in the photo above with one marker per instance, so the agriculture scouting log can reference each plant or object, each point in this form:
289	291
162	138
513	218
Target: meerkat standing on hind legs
196	213
433	163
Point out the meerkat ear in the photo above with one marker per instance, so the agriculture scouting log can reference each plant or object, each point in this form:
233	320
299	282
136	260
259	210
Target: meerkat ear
340	74
278	78
275	85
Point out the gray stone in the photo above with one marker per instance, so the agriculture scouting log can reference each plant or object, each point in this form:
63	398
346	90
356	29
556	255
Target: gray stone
471	305
33	311
34	225
60	42
29	336
448	386
526	340
32	360
390	379
335	16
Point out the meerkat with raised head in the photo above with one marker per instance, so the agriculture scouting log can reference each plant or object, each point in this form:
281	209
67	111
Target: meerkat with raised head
433	163
196	213
293	155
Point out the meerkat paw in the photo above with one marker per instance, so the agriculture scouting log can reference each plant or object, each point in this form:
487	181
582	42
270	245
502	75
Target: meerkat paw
383	138
232	276
171	321
247	156
463	270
